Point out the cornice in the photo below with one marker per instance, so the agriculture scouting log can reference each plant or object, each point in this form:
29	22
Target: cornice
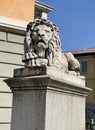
13	23
45	83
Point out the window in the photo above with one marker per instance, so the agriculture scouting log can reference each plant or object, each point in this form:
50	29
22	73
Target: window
84	66
86	83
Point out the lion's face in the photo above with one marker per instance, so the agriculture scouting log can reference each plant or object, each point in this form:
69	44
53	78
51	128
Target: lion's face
41	35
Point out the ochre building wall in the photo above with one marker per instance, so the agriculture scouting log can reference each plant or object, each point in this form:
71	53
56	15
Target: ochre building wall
17	9
90	76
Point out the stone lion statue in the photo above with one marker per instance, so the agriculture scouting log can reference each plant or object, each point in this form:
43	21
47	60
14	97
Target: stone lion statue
43	48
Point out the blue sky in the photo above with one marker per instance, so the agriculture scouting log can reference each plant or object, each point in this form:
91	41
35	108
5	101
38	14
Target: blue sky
76	22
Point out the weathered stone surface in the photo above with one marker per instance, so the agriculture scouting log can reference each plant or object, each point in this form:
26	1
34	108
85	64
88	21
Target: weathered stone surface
42	46
15	38
6	70
2	35
10	58
45	103
11	47
51	71
5	100
5	115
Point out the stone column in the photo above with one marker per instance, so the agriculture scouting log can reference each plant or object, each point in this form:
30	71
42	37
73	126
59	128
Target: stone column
47	99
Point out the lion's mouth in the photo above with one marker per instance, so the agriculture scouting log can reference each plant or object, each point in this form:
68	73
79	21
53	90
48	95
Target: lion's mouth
41	44
41	41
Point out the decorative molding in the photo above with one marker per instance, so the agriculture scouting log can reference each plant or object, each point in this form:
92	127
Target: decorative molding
45	82
13	23
43	7
41	10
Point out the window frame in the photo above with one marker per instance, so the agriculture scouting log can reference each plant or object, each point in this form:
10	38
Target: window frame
83	65
86	83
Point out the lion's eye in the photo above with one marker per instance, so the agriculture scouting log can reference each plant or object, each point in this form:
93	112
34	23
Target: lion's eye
37	30
47	31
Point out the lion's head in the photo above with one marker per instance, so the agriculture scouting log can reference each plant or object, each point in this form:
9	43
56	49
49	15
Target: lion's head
42	39
44	34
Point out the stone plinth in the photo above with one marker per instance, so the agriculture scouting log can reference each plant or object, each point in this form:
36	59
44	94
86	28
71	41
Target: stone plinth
47	99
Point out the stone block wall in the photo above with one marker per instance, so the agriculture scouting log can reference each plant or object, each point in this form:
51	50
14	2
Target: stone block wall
11	50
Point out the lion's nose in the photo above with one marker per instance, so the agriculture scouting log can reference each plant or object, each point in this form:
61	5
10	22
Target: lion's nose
41	33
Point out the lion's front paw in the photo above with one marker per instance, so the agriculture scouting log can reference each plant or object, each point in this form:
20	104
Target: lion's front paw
29	55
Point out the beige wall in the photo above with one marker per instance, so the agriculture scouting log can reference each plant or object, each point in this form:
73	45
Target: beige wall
11	50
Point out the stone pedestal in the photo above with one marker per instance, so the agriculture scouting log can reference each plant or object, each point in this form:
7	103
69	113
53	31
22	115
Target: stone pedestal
47	99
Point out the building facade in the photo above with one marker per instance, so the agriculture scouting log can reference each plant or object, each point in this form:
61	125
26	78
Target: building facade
87	62
87	68
13	23
11	50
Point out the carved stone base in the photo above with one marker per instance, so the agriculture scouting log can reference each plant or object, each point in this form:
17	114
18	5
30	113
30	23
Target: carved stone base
44	99
51	71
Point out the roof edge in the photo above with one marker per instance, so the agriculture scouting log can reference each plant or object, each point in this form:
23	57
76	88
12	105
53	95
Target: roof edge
41	6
